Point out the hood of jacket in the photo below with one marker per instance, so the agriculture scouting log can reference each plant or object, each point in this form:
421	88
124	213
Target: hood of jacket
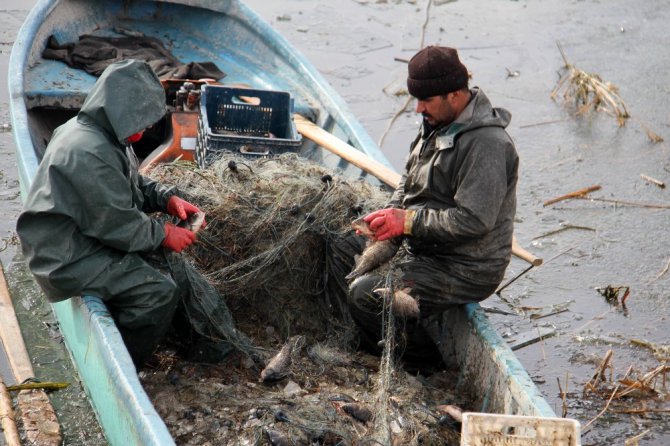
477	114
107	104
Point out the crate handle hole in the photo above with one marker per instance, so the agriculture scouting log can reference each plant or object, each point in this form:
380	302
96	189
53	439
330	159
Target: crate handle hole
251	150
246	100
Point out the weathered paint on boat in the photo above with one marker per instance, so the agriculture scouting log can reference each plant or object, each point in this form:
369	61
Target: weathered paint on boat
251	52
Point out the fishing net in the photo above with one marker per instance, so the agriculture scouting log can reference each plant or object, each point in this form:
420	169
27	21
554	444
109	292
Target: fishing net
276	250
278	242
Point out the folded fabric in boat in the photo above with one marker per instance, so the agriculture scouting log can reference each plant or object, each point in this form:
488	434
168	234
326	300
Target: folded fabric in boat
94	53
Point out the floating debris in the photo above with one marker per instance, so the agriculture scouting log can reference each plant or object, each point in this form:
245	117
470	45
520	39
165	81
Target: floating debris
589	92
660	351
576	194
649	389
649	179
512	73
611	294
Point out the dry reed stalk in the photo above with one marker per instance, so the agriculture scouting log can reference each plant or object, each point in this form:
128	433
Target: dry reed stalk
663	271
626	203
564	228
641	411
649	179
607	405
576	194
564	394
589	92
653	137
600	371
633	440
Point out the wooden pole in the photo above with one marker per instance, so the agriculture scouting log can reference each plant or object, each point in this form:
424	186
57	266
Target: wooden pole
9	429
10	332
39	418
359	159
335	145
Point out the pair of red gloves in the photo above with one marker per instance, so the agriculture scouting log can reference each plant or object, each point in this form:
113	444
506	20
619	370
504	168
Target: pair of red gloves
176	238
390	223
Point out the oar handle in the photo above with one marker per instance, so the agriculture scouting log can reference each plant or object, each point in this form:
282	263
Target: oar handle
359	159
521	253
345	151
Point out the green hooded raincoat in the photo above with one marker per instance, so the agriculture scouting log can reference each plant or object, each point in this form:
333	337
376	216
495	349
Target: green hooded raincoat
84	225
87	205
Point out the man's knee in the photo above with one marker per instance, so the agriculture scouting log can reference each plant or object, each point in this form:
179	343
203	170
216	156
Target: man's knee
361	291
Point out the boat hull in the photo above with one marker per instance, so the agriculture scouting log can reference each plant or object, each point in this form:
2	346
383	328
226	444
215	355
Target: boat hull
44	93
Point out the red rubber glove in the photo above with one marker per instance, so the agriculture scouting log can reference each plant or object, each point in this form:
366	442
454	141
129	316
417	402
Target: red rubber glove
387	223
182	209
177	238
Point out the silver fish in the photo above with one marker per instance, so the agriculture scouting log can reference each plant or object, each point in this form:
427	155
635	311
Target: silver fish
278	366
358	411
454	412
363	227
375	254
194	222
275	437
402	304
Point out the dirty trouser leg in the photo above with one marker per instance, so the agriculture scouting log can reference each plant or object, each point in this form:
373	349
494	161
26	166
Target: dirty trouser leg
341	252
142	301
436	289
366	309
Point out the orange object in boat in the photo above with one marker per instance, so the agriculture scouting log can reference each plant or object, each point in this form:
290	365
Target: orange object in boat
181	144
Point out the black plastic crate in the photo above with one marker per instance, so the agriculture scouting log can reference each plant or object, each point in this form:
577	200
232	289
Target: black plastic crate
240	120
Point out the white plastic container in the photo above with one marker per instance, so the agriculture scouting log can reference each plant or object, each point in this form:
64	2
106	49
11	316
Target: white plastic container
486	429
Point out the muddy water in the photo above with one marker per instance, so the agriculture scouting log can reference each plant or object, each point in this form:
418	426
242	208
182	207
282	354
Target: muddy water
355	43
12	14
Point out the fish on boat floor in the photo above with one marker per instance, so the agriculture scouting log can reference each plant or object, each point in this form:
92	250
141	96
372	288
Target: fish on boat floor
322	400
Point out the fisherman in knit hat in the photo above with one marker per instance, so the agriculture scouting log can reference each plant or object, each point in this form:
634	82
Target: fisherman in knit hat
454	208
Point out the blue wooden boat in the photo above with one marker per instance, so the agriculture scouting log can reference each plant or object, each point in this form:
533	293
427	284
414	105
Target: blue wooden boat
44	93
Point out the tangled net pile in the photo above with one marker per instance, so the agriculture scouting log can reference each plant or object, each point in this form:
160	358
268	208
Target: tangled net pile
277	246
273	224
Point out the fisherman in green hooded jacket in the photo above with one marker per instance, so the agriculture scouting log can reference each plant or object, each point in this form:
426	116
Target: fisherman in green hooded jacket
455	204
85	229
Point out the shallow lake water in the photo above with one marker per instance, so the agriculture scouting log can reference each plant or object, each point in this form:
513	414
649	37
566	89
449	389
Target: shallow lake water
510	47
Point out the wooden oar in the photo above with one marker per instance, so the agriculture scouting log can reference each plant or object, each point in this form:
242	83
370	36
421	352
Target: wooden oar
359	159
345	151
39	418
